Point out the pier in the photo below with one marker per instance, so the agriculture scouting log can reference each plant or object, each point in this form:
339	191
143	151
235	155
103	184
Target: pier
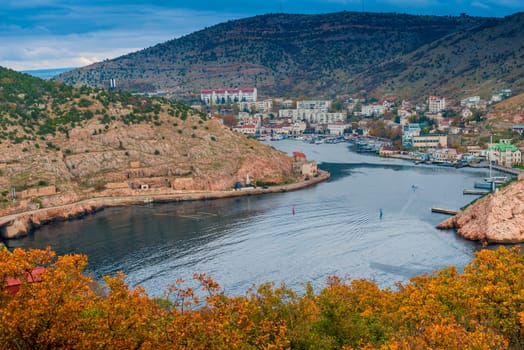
475	192
444	211
512	171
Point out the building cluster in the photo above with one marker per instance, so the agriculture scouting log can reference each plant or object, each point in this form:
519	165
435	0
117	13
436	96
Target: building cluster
433	127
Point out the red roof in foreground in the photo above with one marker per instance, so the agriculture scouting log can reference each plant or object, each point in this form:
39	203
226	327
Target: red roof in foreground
299	155
12	284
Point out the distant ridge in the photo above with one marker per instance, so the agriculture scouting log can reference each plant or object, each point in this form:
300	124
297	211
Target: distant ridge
281	54
47	73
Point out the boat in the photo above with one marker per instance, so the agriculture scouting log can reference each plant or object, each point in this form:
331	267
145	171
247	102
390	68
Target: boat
484	185
497	179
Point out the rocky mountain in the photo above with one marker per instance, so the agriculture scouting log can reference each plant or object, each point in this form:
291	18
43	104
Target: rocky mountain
82	142
280	54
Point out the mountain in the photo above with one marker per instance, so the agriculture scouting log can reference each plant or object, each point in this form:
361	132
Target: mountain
474	61
280	54
90	142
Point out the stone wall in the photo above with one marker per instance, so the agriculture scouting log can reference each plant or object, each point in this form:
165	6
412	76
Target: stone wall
37	192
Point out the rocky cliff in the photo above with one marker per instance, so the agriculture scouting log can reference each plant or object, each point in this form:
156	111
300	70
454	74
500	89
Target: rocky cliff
60	144
495	218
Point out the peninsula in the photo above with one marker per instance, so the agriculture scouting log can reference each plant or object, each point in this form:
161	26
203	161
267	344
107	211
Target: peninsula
495	218
69	150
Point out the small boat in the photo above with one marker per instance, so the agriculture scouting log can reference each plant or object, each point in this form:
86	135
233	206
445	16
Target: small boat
497	179
483	185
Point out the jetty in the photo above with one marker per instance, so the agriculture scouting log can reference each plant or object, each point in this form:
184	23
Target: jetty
475	192
444	211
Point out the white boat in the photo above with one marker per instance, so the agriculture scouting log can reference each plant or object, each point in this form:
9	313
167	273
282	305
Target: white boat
497	179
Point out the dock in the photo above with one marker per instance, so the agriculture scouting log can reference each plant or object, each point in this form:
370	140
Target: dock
444	211
475	192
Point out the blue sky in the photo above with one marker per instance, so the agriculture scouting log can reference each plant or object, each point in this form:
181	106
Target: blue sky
38	34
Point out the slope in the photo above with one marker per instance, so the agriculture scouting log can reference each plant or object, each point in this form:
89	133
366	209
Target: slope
476	61
86	141
281	54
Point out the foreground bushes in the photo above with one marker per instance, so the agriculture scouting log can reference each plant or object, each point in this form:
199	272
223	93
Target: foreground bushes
481	308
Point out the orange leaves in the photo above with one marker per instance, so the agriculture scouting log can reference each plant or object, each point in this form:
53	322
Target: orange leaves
478	309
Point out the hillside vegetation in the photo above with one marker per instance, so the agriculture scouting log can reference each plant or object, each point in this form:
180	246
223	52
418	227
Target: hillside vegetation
474	61
281	54
81	139
481	308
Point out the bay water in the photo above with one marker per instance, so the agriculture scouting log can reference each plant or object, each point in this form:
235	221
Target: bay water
336	229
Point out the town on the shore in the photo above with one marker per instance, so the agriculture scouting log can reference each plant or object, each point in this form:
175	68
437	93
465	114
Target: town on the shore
440	130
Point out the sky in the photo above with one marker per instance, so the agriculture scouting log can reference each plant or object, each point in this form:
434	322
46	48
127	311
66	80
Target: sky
41	34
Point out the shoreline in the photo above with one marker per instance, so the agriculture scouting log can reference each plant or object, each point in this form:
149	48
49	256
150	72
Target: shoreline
21	224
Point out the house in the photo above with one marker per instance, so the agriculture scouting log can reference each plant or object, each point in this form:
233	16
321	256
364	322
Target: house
445	155
436	104
12	284
388	151
504	153
466	113
373	110
302	166
337	128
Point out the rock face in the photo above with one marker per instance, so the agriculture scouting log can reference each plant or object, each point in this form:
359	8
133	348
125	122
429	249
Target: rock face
205	155
497	218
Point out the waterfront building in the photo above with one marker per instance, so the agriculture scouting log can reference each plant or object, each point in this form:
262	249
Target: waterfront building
408	132
302	166
313	116
430	141
445	155
436	104
504	153
337	128
223	96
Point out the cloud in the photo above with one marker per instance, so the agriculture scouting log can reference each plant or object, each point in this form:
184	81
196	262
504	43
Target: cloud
64	33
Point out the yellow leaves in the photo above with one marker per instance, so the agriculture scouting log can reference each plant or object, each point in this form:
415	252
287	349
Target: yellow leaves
478	309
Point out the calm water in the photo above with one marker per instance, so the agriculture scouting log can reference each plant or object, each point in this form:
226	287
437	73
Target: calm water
336	229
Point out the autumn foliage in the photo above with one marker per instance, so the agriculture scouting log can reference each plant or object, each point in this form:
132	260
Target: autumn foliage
479	308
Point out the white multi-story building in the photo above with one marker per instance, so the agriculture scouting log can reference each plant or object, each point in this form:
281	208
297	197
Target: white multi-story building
436	104
223	96
322	105
313	116
373	110
471	102
259	106
337	128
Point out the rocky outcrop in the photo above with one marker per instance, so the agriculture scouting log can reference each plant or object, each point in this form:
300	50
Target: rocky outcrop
24	223
495	218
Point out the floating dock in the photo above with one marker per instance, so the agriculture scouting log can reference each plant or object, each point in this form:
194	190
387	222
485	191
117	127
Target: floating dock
480	192
444	211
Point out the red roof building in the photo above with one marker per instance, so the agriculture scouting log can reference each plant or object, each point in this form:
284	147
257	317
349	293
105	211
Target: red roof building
12	284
